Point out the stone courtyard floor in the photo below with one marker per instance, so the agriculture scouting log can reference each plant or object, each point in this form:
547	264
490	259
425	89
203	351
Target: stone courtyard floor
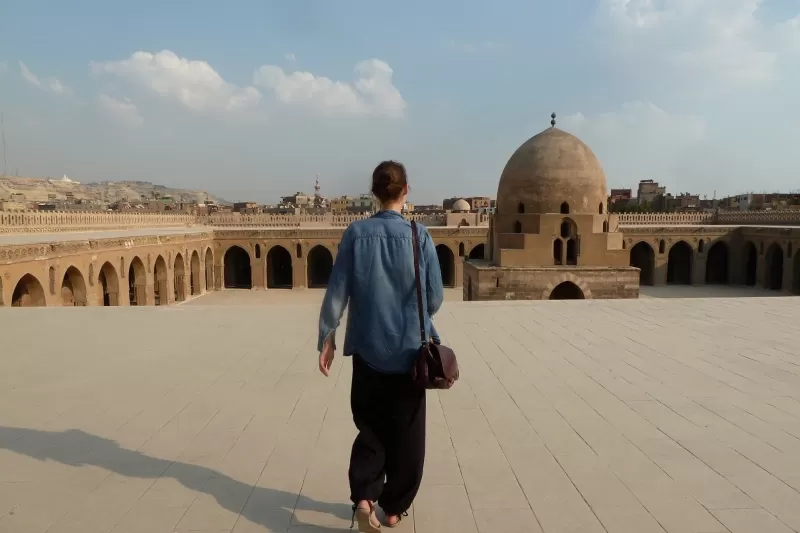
676	415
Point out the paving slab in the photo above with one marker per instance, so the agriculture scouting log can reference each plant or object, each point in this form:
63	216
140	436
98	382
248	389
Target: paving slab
676	415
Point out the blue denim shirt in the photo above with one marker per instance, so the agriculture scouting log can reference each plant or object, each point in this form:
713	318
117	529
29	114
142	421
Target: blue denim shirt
374	272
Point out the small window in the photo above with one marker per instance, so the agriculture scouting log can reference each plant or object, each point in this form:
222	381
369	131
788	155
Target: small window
461	250
624	245
565	208
661	246
572	252
521	208
299	251
701	246
517	227
558	251
600	209
789	250
258	251
605	226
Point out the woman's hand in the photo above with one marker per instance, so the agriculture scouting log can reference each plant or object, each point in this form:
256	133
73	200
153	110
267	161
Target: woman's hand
326	357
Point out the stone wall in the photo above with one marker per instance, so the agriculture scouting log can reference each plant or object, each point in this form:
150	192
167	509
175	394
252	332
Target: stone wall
56	221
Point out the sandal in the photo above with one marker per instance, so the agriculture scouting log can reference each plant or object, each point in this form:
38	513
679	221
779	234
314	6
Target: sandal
399	519
367	521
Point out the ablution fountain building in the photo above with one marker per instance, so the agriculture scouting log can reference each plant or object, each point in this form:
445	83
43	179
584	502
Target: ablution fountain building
551	238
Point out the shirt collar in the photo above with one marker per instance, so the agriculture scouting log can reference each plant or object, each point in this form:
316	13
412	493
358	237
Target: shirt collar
387	214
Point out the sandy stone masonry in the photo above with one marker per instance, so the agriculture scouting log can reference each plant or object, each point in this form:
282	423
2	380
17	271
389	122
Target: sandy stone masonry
172	264
67	270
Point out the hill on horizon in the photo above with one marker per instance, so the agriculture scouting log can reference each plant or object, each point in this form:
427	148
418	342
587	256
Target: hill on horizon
41	189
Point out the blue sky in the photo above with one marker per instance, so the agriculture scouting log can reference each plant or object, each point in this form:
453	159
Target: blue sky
252	100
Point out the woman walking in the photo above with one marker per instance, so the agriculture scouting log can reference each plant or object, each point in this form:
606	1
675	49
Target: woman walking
374	273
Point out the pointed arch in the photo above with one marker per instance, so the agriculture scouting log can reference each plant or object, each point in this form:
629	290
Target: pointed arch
643	257
28	292
567	290
108	282
679	264
280	274
179	278
717	263
446	264
774	274
194	274
137	282
477	252
319	266
238	273
565	208
73	288
750	264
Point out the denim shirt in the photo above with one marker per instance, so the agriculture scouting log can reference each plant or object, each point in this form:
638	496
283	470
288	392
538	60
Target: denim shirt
374	272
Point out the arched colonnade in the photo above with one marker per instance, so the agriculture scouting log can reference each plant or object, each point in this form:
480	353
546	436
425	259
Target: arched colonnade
769	264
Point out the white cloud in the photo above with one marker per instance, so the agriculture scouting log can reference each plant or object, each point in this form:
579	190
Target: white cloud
637	119
372	93
29	76
53	84
290	57
195	84
720	39
123	111
638	141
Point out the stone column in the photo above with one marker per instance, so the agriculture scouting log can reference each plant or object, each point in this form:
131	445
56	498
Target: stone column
699	269
660	269
458	275
788	276
218	275
258	271
761	271
299	271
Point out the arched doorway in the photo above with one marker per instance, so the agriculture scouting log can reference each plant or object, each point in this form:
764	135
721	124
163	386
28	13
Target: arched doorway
160	288
238	274
643	257
137	282
194	275
447	265
567	291
28	293
320	265
209	270
774	278
750	264
179	278
279	268
717	264
73	288
109	285
679	264
477	252
796	274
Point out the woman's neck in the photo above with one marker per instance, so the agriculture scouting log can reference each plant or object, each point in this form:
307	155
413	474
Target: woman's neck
393	206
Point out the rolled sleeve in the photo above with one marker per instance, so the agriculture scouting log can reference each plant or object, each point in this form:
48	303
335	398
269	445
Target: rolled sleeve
337	293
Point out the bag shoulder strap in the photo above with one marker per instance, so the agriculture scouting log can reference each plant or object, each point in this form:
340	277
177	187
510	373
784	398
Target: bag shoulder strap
416	246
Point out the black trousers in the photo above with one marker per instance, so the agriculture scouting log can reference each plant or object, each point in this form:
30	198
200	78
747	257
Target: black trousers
389	452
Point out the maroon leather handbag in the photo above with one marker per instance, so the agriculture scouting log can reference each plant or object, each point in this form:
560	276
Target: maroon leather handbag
436	366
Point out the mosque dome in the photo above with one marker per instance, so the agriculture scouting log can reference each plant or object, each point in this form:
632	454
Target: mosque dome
552	172
461	205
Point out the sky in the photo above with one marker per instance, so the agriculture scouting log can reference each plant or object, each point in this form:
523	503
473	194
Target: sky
251	100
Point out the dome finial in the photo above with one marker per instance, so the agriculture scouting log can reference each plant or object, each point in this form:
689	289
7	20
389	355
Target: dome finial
553	121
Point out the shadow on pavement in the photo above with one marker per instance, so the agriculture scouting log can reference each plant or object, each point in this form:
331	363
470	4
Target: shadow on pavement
78	448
